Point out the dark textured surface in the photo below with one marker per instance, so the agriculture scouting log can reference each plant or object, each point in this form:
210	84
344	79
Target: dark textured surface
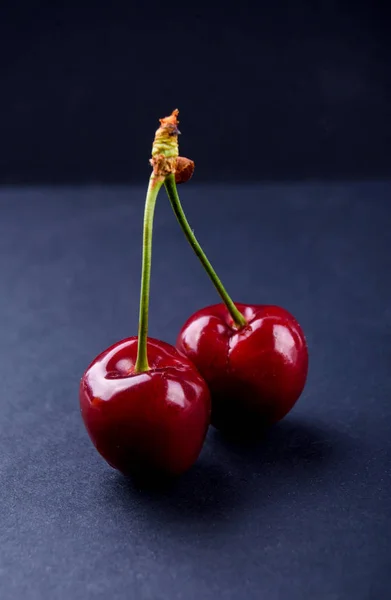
306	514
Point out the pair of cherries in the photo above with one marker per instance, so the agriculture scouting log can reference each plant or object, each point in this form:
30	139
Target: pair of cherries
147	406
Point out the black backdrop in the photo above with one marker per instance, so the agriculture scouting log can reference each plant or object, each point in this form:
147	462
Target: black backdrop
284	90
291	90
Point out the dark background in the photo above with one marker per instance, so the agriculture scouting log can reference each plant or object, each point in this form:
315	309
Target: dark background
269	93
285	90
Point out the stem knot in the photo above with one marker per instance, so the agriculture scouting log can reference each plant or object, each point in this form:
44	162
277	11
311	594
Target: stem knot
165	146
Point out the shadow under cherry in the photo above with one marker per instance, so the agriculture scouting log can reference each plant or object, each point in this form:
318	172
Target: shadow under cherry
232	475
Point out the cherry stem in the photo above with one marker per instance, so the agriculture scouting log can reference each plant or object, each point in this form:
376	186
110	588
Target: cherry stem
155	183
172	192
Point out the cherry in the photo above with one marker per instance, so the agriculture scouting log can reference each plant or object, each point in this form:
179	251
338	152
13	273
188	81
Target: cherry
145	407
255	372
254	358
145	423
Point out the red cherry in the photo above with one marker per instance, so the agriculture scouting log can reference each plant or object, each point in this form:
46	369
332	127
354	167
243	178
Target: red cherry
145	423
255	373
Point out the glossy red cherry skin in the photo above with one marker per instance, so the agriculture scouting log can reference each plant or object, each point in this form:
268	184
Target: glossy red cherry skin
148	423
255	374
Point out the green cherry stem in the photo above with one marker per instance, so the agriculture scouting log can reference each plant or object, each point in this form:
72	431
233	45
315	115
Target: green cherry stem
172	193
155	183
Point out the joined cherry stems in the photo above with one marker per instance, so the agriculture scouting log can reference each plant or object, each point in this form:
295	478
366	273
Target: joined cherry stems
164	162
